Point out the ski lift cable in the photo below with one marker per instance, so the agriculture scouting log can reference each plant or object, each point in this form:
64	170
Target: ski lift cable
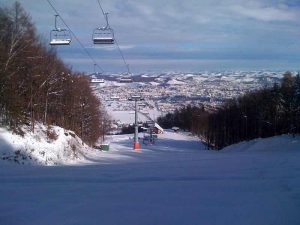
122	55
119	49
101	8
82	46
105	14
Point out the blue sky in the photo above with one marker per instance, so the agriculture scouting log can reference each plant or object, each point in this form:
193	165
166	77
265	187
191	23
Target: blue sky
190	35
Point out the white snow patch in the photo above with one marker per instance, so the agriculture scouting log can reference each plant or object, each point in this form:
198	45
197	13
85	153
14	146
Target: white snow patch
36	148
175	82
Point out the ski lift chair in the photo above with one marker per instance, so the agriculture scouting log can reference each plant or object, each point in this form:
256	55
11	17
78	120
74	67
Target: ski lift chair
103	36
59	36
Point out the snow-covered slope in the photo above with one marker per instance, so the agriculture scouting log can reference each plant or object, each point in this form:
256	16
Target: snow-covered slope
172	182
58	147
281	143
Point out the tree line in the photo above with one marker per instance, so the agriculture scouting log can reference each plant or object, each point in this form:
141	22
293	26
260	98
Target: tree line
35	85
262	113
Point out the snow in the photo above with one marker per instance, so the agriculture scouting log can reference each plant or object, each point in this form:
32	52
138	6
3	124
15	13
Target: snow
36	148
278	143
127	117
175	82
174	181
154	113
153	83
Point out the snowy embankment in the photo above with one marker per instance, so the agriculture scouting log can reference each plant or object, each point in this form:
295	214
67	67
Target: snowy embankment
44	146
283	143
172	182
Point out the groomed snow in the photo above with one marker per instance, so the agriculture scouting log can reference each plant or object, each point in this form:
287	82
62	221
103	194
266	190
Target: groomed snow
172	182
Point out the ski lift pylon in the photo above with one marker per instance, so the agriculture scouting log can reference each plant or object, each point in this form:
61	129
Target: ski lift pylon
59	36
95	70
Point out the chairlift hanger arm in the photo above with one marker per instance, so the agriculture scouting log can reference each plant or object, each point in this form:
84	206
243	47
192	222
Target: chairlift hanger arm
95	71
107	24
101	8
55	22
128	70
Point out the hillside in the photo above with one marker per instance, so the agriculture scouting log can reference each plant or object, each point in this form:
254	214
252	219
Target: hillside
175	181
283	143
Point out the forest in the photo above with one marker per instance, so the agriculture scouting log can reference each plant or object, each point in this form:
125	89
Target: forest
36	86
258	114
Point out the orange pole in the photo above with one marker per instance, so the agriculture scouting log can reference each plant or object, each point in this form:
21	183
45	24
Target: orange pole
136	146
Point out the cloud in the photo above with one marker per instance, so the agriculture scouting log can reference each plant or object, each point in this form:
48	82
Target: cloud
111	47
267	14
161	30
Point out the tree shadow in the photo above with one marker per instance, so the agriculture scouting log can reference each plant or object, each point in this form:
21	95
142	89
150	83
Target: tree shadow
9	154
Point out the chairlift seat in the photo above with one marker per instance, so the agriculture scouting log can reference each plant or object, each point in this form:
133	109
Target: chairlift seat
103	40
60	41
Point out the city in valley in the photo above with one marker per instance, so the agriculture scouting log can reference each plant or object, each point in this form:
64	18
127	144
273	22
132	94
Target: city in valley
166	92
